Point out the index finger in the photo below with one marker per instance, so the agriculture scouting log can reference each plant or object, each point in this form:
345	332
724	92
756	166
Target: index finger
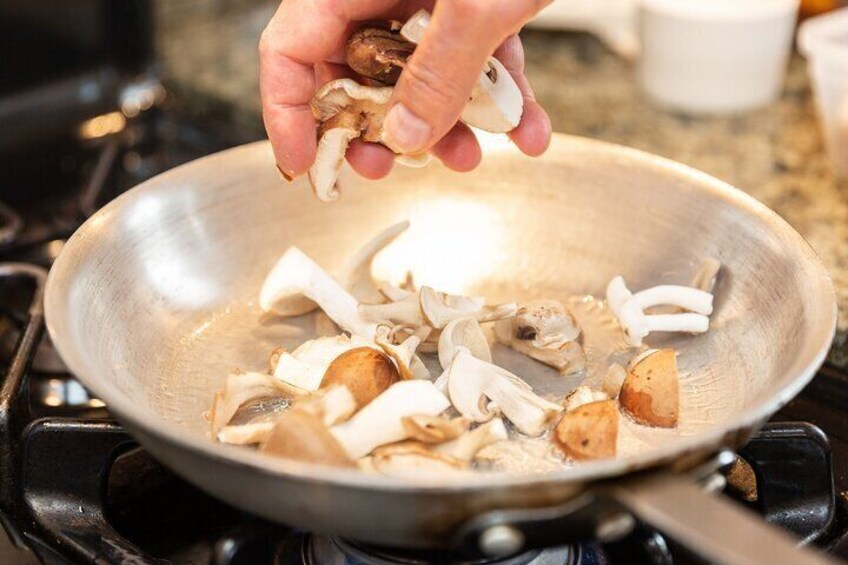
301	34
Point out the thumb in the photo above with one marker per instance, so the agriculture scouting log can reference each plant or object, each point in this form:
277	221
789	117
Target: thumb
439	76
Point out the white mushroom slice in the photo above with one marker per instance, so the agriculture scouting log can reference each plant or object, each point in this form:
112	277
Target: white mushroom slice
346	110
395	293
297	275
629	309
306	365
441	382
246	434
418	369
242	388
413	461
544	323
545	331
583	395
434	429
381	420
463	332
466	446
333	405
405	312
496	104
567	358
440	308
472	383
404	353
356	275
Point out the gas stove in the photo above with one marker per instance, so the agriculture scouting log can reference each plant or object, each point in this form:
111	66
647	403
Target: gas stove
76	488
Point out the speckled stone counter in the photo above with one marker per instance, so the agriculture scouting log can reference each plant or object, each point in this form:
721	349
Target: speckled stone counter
776	154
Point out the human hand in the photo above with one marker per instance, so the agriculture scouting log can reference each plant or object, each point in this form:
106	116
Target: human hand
303	47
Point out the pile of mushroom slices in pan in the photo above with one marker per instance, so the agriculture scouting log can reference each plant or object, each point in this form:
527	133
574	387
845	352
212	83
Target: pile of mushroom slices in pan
366	398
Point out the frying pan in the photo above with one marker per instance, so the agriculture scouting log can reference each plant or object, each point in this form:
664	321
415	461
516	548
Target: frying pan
154	301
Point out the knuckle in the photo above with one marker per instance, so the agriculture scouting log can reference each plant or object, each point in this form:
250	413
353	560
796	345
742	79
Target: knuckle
431	85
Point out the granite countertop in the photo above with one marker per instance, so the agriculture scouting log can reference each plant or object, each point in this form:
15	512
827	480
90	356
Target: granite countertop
776	153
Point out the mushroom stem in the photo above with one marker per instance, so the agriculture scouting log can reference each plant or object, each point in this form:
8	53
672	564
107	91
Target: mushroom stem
691	299
296	274
356	275
629	309
694	323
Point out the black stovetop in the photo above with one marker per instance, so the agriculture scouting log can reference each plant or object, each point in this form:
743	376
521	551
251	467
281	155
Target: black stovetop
76	488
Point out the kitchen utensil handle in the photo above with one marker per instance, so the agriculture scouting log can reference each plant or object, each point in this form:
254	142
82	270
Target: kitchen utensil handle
712	527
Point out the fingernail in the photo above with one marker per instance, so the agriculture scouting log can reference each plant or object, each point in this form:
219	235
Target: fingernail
406	132
283	175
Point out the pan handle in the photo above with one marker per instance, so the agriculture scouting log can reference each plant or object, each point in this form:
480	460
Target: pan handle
712	527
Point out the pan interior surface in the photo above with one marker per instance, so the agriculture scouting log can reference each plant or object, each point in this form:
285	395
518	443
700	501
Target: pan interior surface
154	301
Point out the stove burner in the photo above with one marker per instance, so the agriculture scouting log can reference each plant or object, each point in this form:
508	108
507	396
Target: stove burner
322	549
10	224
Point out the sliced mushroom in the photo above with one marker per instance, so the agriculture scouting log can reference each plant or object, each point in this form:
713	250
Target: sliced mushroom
405	312
545	331
466	446
414	461
246	434
583	395
433	429
589	431
364	371
613	379
297	275
439	308
345	110
463	332
496	103
242	388
396	293
472	383
651	391
403	354
381	421
356	275
306	366
302	436
333	405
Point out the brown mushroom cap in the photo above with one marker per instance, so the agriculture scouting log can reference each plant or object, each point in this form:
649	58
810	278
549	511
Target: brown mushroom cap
650	393
365	371
378	53
589	431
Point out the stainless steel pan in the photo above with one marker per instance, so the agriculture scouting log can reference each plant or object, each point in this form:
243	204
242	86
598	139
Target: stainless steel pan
153	302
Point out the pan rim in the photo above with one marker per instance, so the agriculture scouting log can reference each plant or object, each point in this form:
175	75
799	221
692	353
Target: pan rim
704	442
